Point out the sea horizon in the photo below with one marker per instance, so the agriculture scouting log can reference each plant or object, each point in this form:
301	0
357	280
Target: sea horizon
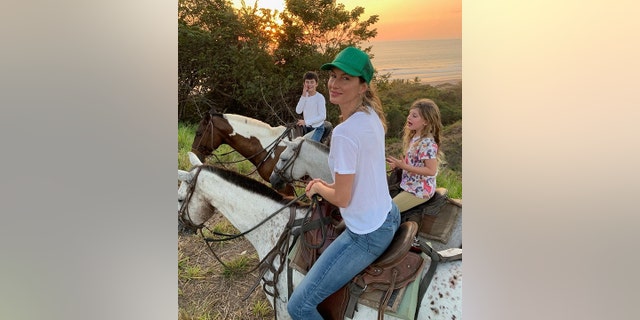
433	61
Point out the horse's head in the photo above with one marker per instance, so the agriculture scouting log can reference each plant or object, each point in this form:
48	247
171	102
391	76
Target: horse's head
285	171
211	133
193	209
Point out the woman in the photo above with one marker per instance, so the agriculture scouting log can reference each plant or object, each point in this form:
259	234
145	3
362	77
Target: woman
360	190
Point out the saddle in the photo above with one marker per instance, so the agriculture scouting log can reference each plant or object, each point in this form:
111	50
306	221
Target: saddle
379	285
435	218
315	234
375	286
326	135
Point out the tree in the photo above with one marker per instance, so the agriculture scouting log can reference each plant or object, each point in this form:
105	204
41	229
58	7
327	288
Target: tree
312	33
244	61
207	41
323	26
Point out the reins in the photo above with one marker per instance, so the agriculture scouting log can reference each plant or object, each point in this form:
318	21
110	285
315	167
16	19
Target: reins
289	165
184	216
226	237
269	149
279	251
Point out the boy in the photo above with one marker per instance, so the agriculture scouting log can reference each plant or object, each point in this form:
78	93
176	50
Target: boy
312	106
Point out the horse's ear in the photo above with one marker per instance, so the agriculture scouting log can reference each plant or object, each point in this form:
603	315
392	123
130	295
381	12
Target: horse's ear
184	175
194	159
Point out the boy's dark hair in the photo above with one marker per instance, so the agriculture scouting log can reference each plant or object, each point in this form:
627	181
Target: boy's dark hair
310	75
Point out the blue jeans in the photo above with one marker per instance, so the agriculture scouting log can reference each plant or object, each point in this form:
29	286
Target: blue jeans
347	256
317	133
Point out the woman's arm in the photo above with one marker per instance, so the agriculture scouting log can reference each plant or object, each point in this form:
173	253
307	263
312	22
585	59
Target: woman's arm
338	193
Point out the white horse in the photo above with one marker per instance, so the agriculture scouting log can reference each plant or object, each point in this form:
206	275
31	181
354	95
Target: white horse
246	203
303	157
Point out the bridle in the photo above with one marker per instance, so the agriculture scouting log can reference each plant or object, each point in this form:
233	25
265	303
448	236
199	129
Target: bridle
269	149
184	219
288	165
279	251
203	150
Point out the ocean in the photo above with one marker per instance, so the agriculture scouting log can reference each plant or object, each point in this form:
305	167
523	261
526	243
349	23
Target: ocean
432	61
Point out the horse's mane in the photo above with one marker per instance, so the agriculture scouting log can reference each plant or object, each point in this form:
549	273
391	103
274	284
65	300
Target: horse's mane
246	183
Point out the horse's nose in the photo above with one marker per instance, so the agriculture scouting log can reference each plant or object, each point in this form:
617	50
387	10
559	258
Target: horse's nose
183	230
276	181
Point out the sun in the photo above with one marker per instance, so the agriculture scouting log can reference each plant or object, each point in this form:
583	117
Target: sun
267	4
273	5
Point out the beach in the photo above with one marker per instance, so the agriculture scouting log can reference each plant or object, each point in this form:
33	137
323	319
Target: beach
432	61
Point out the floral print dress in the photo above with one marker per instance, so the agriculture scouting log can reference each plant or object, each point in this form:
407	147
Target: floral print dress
420	149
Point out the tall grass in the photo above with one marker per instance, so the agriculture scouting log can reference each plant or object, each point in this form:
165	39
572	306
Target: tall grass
186	134
452	181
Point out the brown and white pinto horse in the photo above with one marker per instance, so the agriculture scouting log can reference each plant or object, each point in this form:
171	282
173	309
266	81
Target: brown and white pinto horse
257	141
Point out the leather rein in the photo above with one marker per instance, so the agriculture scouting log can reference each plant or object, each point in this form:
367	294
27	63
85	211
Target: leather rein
269	149
289	165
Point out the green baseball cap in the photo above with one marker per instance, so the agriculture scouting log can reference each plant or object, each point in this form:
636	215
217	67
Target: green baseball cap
352	61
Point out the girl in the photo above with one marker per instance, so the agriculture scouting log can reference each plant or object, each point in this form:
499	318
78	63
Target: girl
420	165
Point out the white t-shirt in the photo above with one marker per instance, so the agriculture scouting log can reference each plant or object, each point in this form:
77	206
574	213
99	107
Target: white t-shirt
358	147
313	109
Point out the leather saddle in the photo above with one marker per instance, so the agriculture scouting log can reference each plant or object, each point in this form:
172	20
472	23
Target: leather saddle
394	269
326	135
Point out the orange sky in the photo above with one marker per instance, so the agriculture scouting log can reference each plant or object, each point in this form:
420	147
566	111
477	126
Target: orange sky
402	19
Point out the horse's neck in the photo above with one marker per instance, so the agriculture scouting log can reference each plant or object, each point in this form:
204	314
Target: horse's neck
245	209
318	165
249	127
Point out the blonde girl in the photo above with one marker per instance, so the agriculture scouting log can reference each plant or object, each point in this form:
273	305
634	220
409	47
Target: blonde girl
421	142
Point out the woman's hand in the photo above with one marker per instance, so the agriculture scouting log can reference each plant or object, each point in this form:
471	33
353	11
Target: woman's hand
312	187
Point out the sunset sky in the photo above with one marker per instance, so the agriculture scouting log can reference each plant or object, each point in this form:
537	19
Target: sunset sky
402	20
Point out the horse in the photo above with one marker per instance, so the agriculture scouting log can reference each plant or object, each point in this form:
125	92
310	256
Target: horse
261	214
257	141
299	160
303	157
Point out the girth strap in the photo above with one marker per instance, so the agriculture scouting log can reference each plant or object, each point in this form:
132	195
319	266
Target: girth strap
354	294
387	295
